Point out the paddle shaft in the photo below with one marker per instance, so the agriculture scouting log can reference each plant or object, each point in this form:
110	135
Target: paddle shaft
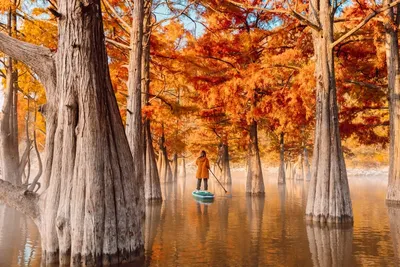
218	181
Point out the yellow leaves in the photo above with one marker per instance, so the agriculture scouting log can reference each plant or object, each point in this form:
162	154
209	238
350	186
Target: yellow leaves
5	5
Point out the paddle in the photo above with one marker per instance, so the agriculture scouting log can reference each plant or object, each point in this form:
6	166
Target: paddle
226	192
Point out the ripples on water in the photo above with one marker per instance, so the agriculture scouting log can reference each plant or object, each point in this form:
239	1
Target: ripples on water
236	230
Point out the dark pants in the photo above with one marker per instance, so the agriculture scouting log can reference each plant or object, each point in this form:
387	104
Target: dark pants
205	184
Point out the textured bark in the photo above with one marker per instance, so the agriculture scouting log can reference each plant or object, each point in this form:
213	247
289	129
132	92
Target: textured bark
329	194
90	212
330	246
281	172
393	68
255	180
152	185
9	153
134	130
224	169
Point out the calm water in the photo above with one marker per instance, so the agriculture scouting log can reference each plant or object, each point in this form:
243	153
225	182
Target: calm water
236	230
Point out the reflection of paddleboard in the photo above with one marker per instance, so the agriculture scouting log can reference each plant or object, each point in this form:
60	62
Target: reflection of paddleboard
203	194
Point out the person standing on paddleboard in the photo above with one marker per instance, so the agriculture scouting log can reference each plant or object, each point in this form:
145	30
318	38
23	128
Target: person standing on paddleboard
202	170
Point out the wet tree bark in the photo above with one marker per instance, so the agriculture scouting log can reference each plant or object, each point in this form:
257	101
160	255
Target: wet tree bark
255	180
281	172
393	68
329	194
152	187
9	153
90	212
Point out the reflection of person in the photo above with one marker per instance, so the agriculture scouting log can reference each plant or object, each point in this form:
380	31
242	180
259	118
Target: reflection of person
202	170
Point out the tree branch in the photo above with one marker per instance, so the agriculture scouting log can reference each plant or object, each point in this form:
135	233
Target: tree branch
290	12
115	13
373	14
38	58
117	44
20	199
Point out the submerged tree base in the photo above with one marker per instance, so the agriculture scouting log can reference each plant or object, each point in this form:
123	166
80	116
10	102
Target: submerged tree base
322	219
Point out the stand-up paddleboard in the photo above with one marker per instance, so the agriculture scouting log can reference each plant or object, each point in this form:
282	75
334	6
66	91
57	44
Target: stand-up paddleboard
202	194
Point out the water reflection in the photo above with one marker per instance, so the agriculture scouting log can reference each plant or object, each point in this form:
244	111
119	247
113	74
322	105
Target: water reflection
255	214
19	239
330	245
394	219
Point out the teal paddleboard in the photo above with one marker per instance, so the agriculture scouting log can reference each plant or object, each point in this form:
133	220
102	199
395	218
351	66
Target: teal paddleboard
203	194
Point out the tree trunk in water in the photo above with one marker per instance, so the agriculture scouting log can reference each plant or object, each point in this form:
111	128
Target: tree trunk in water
134	131
90	212
182	171
224	170
255	180
329	194
281	172
392	61
9	153
165	171
298	172
306	165
152	187
175	168
289	170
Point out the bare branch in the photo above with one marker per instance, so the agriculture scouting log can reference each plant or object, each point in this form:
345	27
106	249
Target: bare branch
38	58
115	13
291	13
117	43
373	14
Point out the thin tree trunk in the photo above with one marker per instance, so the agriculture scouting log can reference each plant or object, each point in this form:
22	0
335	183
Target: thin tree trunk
226	177
306	165
134	127
393	68
9	153
281	172
175	167
255	180
298	169
329	194
165	171
182	171
152	185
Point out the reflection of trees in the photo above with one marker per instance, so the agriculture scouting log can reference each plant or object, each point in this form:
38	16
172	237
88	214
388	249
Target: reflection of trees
394	218
330	245
255	213
152	221
19	239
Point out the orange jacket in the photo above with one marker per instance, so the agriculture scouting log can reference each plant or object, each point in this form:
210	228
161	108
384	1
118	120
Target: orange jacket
202	168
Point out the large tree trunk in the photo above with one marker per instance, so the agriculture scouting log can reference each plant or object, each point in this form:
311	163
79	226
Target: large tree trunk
329	194
9	154
393	68
90	212
255	180
281	172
